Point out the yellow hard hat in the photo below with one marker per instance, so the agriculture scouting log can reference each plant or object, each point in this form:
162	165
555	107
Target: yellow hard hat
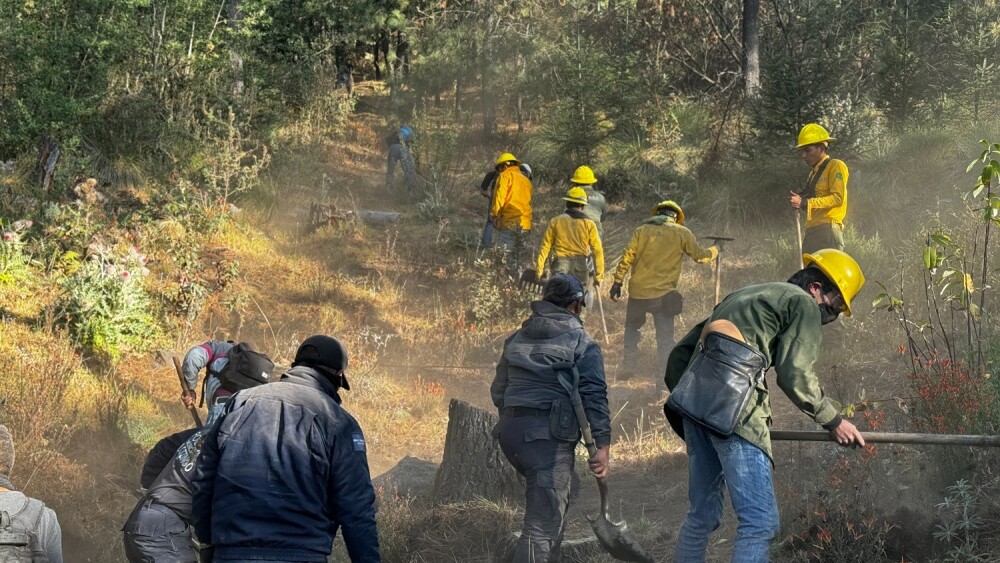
813	133
507	157
576	195
583	175
842	270
671	204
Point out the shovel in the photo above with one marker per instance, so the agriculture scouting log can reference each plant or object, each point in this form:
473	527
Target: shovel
613	536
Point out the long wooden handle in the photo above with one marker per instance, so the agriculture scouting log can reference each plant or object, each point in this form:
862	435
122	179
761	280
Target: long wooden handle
604	323
718	276
588	436
893	438
798	235
184	387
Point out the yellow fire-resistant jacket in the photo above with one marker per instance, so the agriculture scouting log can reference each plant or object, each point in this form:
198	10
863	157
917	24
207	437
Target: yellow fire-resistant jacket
512	200
654	254
830	202
572	236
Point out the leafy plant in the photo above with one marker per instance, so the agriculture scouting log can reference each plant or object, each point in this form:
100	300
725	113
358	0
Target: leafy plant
105	306
13	260
961	525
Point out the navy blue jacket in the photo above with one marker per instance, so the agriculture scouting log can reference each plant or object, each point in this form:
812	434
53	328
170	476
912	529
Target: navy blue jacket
280	471
525	378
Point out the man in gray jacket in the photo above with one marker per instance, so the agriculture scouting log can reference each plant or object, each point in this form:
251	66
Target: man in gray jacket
20	514
538	429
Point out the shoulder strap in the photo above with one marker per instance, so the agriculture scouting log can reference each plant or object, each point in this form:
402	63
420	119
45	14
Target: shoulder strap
810	189
32	512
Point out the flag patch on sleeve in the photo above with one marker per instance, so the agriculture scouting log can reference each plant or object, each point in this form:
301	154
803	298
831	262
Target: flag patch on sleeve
359	442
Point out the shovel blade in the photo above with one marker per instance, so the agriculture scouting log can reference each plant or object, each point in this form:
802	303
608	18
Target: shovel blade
616	541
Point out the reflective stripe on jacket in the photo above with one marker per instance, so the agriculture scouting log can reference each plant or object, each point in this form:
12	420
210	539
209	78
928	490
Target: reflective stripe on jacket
654	255
512	200
829	205
781	321
572	236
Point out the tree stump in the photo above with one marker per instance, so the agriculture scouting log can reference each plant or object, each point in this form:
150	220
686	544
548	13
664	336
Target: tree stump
473	465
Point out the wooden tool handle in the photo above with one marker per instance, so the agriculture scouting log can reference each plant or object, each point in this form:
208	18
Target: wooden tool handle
893	438
184	387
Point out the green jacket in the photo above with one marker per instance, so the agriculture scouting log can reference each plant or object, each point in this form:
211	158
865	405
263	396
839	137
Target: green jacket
596	207
781	321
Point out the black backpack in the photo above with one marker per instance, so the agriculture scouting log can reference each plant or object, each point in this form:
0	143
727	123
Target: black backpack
17	544
245	368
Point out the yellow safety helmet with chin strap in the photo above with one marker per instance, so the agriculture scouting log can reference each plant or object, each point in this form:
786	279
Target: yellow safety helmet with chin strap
670	204
507	157
576	195
841	269
813	133
583	175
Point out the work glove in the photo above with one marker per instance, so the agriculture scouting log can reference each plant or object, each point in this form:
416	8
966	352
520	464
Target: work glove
616	291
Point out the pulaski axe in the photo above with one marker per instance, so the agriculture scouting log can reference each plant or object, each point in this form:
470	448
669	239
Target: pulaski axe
184	387
718	264
613	536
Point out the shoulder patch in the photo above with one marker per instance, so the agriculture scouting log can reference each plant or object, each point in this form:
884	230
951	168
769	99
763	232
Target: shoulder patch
840	176
359	442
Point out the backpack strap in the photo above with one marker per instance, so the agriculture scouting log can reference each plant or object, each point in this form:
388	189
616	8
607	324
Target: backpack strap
32	511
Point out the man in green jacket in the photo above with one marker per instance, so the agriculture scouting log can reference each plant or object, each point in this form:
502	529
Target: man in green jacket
783	322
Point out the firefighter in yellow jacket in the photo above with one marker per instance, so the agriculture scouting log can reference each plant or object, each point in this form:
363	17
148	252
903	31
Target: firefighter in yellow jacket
571	238
510	210
654	256
824	198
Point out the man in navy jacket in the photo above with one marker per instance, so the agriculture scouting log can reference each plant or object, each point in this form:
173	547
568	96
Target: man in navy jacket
285	466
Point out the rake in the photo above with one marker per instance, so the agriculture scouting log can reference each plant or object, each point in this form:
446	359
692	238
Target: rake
529	282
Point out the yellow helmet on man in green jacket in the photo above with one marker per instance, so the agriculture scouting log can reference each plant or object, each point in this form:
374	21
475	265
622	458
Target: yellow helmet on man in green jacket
841	269
671	205
583	176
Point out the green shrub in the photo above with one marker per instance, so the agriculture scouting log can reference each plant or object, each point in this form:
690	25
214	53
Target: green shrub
105	306
13	260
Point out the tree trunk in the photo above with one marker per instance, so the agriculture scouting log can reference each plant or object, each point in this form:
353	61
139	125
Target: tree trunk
234	12
473	465
48	156
751	48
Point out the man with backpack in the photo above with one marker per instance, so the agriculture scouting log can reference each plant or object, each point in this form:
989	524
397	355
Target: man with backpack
547	366
229	367
29	530
159	527
285	466
398	145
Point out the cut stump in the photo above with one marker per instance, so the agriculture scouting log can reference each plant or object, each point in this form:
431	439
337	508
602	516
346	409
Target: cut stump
473	465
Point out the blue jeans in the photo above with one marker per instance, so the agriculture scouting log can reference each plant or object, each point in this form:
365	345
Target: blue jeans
486	241
401	154
514	243
715	464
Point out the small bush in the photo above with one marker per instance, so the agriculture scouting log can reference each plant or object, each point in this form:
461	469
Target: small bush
13	261
961	524
105	306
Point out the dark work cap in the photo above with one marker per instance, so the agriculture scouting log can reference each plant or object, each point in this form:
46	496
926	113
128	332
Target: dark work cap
563	289
325	354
